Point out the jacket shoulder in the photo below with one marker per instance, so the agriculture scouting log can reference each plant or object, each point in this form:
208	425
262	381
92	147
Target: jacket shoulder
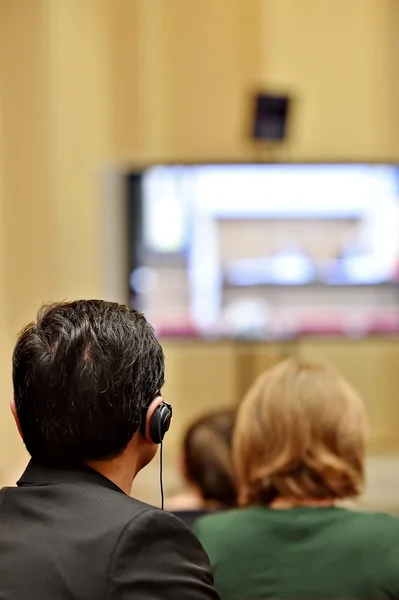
122	509
158	548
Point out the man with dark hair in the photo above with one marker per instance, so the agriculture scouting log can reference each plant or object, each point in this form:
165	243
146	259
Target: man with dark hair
87	401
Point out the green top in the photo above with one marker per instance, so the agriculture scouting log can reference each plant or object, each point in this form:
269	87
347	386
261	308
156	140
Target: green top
302	553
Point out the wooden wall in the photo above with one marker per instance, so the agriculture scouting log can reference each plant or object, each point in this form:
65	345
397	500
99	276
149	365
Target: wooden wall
86	84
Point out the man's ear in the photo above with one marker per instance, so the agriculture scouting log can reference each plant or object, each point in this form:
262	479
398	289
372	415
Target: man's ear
15	415
150	411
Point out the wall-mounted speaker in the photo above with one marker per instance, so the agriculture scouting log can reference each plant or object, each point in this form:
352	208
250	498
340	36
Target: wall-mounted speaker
270	117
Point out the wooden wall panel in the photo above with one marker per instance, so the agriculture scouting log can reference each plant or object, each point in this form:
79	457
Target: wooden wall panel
372	366
90	83
336	60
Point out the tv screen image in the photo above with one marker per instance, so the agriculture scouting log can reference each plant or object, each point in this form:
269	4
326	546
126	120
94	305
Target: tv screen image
265	250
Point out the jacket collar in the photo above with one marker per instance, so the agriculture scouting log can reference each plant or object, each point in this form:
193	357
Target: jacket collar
39	474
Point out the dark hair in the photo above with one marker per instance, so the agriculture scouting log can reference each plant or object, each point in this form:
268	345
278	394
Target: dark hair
208	457
83	374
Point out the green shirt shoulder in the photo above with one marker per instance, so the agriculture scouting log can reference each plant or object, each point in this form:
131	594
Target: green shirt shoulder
321	553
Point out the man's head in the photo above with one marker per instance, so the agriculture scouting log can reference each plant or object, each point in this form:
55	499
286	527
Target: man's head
84	374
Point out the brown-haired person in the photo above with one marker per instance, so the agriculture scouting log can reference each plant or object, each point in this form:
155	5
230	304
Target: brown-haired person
207	467
298	450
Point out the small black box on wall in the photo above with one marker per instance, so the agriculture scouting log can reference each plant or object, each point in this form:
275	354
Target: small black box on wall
270	117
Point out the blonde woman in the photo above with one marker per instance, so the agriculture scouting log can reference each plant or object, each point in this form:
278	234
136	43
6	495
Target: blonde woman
299	449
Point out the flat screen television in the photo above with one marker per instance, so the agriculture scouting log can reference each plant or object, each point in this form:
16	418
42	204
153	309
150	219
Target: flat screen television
265	251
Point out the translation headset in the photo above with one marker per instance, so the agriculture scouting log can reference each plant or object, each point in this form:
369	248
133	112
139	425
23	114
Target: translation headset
159	422
159	425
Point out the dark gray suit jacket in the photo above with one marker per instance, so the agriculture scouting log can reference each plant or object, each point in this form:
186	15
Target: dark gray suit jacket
73	534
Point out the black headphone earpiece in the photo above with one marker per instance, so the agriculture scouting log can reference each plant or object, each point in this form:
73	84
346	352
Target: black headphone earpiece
158	426
159	422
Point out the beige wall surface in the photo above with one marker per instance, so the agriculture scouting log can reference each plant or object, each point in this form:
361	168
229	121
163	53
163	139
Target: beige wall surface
336	57
86	84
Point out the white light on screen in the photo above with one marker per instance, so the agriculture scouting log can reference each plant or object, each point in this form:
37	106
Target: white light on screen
143	280
163	211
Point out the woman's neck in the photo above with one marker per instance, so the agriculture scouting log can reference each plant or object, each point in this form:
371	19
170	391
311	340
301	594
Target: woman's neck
191	499
281	503
213	505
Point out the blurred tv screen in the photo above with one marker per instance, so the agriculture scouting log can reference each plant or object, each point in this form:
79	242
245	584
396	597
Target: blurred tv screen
265	251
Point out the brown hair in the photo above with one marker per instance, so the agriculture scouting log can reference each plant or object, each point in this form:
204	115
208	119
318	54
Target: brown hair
208	457
300	433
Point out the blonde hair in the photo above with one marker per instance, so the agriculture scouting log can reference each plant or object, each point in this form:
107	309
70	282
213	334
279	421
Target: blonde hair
300	433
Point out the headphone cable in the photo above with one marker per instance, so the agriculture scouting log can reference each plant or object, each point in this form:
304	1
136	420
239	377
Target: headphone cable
161	475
